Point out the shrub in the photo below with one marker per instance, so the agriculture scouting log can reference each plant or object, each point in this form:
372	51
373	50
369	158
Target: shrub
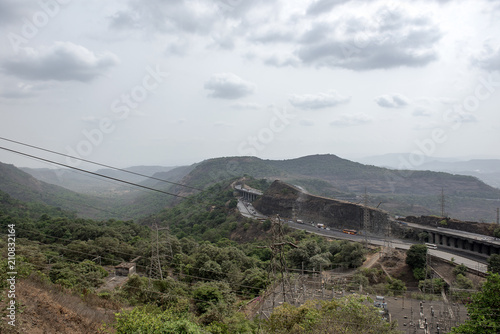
397	287
461	269
435	285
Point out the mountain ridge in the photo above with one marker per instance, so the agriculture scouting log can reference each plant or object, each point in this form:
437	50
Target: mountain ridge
396	191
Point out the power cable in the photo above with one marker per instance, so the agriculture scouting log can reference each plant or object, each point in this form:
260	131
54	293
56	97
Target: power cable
93	173
99	164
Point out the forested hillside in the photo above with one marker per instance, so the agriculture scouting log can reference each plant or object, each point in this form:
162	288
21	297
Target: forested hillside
213	263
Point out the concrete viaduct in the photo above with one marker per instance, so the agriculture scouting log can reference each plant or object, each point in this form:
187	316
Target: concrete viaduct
248	193
459	240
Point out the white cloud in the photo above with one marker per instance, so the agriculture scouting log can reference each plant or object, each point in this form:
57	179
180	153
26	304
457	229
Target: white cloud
392	101
228	86
62	61
318	100
351	120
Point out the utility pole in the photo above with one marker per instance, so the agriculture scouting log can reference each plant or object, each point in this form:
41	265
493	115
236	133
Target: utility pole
498	216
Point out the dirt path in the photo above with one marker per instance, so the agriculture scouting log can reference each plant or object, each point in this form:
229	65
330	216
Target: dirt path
370	260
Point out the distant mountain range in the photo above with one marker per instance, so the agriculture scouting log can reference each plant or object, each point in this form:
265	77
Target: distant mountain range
398	192
487	170
90	184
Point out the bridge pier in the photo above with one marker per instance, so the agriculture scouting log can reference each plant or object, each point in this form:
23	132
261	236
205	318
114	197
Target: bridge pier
432	236
483	246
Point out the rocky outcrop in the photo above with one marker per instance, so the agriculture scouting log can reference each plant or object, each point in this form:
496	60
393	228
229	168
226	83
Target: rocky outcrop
289	201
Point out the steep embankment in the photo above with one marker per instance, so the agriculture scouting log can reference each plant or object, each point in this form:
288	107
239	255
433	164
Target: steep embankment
289	201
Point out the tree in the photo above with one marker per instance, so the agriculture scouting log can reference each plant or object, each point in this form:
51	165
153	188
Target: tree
152	320
351	255
416	256
209	294
484	317
396	286
494	263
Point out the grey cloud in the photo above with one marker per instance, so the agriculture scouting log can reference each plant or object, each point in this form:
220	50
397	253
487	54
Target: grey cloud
281	62
166	16
318	100
318	32
319	7
272	36
391	38
421	112
12	11
125	20
63	61
488	59
16	93
177	48
306	122
467	118
377	54
392	101
323	6
228	86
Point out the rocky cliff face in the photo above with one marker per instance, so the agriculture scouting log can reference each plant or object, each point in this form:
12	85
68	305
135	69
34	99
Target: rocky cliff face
287	200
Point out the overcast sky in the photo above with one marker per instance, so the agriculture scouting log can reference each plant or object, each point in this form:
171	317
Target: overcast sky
176	82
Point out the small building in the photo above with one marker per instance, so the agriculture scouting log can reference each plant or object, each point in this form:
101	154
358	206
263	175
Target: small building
125	269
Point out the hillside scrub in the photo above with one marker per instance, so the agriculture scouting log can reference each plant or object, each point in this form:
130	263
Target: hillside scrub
207	275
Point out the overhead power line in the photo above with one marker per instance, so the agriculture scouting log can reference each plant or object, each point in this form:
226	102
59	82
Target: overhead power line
92	173
100	164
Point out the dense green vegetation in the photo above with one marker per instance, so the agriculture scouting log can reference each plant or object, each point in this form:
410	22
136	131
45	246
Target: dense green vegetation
214	262
484	317
314	253
494	263
208	277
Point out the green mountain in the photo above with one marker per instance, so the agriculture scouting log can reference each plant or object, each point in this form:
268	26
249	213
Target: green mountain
396	191
24	187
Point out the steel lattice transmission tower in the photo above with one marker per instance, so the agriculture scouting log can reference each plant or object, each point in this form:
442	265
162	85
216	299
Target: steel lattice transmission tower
278	271
155	271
